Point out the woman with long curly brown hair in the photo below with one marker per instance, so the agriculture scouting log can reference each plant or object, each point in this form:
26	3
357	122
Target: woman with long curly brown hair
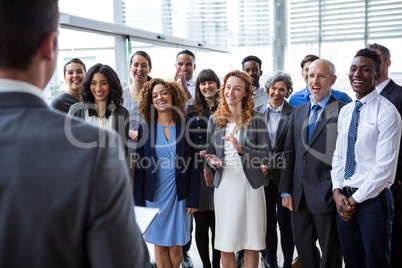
166	174
237	145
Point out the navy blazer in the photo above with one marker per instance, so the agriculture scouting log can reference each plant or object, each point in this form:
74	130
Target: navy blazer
187	166
309	163
276	159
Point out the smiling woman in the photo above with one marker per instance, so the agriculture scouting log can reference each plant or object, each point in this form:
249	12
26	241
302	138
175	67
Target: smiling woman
102	102
166	172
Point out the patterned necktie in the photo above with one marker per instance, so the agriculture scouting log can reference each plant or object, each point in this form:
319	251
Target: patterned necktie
352	133
313	119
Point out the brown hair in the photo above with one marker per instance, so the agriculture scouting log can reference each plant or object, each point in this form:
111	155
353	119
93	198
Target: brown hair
178	100
308	58
247	108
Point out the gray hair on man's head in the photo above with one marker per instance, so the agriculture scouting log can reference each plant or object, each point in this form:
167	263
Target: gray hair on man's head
331	66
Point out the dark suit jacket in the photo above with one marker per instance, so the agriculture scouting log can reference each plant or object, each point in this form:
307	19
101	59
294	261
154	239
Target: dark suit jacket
276	159
62	205
308	164
393	93
187	168
255	143
120	123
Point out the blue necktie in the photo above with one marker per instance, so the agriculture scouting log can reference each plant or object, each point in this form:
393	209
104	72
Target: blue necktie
352	134
313	119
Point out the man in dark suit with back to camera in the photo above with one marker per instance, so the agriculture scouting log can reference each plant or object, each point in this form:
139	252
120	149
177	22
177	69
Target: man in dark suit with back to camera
61	204
305	183
393	92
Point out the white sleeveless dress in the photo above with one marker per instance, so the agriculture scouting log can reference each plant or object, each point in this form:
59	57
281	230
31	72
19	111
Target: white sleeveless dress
239	208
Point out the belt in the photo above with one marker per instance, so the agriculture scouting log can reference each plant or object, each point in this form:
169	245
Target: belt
350	190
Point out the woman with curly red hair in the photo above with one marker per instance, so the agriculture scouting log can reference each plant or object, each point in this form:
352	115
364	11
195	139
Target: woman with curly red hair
237	145
166	174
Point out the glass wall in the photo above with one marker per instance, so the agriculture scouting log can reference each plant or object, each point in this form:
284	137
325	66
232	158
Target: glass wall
331	29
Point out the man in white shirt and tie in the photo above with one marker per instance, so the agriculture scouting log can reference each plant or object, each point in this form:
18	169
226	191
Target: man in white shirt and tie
364	166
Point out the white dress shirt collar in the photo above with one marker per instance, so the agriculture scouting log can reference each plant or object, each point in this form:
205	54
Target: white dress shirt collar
191	82
11	85
369	98
258	91
279	110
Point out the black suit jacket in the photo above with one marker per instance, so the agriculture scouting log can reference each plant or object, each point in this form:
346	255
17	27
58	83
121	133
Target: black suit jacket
308	163
120	121
393	92
276	159
187	166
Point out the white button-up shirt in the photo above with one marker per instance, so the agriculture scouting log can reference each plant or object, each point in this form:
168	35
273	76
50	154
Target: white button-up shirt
273	122
376	149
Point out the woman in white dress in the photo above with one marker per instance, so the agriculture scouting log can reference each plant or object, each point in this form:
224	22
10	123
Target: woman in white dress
237	145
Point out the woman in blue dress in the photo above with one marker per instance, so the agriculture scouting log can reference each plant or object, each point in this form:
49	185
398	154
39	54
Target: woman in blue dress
166	174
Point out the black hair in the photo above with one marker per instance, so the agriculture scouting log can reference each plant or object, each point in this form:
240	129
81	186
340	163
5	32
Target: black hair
186	51
116	90
369	53
24	25
74	60
200	104
252	58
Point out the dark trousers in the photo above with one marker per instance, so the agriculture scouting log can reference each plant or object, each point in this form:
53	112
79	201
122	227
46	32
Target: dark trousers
366	238
187	246
396	236
205	221
307	228
277	214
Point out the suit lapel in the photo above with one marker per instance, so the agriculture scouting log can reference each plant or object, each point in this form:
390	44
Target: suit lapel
179	145
303	122
283	121
150	146
243	135
218	135
388	89
326	115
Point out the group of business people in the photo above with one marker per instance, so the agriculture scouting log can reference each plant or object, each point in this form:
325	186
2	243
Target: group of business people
65	188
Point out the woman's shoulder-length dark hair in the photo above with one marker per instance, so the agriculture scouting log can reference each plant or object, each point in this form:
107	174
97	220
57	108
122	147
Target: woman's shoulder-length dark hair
116	90
200	104
179	99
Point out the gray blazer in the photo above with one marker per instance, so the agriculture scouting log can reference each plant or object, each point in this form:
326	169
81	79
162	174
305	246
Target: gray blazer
63	204
255	143
276	160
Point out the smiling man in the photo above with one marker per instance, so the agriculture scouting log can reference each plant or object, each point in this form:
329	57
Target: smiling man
185	66
305	183
303	96
252	66
364	167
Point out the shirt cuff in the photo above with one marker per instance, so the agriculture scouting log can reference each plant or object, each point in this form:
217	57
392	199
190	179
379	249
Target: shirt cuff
285	194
